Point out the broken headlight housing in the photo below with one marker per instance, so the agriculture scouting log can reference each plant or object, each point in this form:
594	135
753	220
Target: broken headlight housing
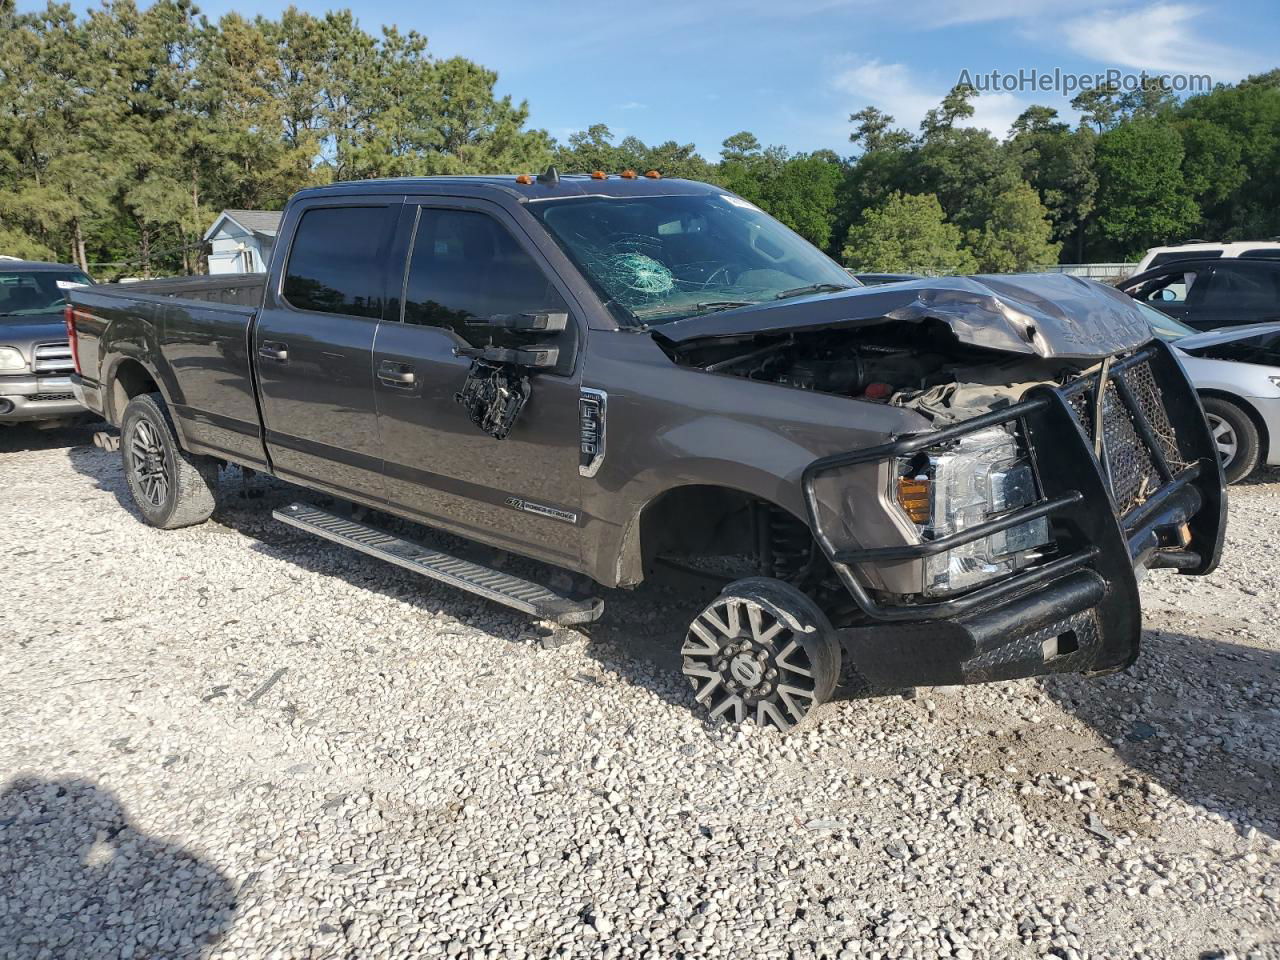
956	487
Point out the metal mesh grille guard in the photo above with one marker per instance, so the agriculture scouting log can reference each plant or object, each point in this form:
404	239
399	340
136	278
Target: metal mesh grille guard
1140	463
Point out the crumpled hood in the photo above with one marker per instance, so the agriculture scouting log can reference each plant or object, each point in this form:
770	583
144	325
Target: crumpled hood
1040	314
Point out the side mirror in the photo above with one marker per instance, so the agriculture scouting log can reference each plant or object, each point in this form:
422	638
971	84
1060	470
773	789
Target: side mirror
523	322
538	356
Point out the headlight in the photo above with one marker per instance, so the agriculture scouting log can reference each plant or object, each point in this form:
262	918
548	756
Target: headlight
11	358
956	487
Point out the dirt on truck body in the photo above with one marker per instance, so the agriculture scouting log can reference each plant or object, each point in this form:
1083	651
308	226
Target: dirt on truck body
935	482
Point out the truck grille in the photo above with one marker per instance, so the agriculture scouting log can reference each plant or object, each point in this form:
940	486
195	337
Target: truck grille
53	358
1130	463
50	397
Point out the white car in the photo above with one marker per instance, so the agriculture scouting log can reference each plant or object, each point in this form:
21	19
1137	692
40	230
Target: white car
1205	250
1236	371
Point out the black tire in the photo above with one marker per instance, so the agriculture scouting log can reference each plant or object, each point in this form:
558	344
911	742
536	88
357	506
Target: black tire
746	659
1236	436
171	487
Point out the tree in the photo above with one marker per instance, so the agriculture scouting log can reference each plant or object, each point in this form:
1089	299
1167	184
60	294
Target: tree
874	131
1059	163
1098	106
1143	199
1017	237
907	234
739	147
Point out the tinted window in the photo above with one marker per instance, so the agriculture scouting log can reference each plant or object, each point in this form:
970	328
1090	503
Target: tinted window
336	263
1243	286
466	266
1162	258
1269	253
1172	288
36	291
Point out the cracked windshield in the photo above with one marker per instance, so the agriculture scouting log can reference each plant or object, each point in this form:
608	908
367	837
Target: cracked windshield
657	259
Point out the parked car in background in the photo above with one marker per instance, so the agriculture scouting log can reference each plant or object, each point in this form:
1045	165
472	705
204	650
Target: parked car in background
877	279
1236	371
35	356
1206	250
1207	294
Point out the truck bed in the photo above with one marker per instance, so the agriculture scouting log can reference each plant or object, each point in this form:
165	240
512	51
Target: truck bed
192	336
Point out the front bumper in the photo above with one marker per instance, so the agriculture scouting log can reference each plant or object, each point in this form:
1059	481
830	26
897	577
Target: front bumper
1079	611
29	397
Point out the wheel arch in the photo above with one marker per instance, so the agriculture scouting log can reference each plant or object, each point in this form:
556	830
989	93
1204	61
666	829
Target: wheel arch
688	514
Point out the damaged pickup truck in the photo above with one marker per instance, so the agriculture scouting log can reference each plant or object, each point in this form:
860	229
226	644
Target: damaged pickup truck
934	482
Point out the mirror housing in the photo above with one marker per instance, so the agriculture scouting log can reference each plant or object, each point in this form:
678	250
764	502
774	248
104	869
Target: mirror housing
536	356
524	322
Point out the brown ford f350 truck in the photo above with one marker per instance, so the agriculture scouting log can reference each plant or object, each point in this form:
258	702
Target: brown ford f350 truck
934	482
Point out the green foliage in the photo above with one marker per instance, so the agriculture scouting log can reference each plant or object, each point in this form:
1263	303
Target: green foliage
1143	198
906	234
124	130
1017	235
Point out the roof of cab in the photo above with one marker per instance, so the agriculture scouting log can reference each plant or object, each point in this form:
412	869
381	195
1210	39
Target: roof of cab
10	263
568	185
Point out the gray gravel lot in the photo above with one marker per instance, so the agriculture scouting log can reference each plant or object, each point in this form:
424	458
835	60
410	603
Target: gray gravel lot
235	741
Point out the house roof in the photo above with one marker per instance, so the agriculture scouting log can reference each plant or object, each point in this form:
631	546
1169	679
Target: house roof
265	223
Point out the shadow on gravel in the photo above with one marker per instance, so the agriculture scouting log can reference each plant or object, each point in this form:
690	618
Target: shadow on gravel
21	438
1197	716
79	880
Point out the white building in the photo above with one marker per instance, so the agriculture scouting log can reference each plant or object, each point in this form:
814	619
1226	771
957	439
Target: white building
241	241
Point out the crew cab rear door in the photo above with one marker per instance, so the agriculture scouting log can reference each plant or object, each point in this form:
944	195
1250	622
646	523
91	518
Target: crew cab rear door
313	344
465	261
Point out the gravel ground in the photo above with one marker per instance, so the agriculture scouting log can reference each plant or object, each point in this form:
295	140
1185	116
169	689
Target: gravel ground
234	741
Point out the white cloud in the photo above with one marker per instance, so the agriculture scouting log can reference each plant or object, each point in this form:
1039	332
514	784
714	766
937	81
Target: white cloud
631	105
1160	37
893	88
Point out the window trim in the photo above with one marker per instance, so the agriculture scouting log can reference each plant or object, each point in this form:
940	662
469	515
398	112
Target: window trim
382	255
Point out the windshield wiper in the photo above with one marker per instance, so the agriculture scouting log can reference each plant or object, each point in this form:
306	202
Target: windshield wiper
709	305
812	288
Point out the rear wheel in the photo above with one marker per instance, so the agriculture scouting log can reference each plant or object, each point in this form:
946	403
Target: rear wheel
171	487
1235	435
761	651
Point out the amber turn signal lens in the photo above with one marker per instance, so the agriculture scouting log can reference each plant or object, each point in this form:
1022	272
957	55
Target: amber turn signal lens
913	497
653	175
628	174
599	175
524	179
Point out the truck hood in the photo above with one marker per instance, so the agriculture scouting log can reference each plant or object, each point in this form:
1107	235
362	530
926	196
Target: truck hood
32	328
1040	314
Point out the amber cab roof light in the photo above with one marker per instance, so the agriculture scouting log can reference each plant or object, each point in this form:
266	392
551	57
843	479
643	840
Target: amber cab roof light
524	180
654	175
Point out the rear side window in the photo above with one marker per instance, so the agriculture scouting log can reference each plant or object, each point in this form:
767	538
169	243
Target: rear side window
337	261
1162	258
1266	253
465	267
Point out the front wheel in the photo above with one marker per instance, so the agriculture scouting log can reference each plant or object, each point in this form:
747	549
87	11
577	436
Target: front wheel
761	651
1235	435
171	487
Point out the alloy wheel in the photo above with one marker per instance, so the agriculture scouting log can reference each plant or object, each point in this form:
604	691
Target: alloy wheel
744	662
150	462
1224	437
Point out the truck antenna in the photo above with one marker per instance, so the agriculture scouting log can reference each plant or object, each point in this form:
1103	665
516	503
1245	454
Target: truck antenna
551	175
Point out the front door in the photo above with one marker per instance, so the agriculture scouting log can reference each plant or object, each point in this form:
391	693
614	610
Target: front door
467	262
313	346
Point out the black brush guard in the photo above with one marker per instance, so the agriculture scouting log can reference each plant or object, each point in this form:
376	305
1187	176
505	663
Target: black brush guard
1153	497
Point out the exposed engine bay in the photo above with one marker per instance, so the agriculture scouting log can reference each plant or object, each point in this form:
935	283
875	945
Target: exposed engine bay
919	365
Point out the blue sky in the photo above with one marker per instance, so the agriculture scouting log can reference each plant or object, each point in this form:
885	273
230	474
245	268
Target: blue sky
791	71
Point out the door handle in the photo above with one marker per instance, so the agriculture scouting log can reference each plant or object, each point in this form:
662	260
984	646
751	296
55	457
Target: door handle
396	374
272	350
